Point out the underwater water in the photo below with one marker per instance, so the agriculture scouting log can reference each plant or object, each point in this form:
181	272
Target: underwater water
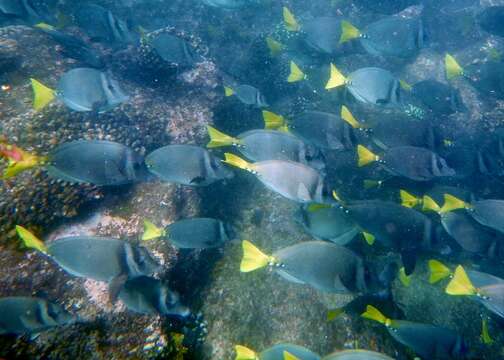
252	179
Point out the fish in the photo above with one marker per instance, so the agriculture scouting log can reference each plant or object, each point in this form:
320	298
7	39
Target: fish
322	265
441	99
322	129
369	85
187	165
193	233
73	47
357	354
172	49
229	4
391	36
415	163
322	35
490	154
282	351
427	341
327	223
81	89
290	22
491	20
262	145
31	315
292	180
387	7
247	94
487	289
102	25
26	10
98	258
146	295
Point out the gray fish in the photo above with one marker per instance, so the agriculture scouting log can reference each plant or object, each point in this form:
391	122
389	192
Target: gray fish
248	95
294	181
439	98
187	165
357	355
327	223
415	163
102	259
22	315
277	352
146	295
491	289
95	161
491	19
173	50
322	34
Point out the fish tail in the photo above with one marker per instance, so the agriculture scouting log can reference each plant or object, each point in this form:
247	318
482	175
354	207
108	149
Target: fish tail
366	156
244	353
409	200
228	91
238	162
403	278
460	284
296	74
430	204
452	67
273	121
336	78
485	333
453	203
30	240
18	159
44	26
373	313
348	32
405	86
350	119
275	47
218	139
42	95
151	231
253	258
288	356
370	238
438	271
290	21
334	313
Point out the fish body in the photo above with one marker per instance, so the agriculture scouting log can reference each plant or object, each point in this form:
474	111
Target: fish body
248	95
25	315
197	233
187	165
491	289
174	50
439	98
229	4
489	213
356	354
491	19
282	351
374	86
322	35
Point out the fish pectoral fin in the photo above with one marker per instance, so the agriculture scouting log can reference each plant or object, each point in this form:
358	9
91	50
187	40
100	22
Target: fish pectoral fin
197	180
115	287
303	192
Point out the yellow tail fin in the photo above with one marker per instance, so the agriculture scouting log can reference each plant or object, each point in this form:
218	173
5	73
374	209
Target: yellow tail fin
336	196
460	284
316	207
273	121
274	46
290	21
453	203
348	32
253	258
296	74
336	78
44	26
228	91
373	313
403	278
438	271
151	231
452	67
430	204
218	139
288	356
485	334
349	118
238	162
365	156
405	85
370	239
42	95
334	313
18	159
408	200
244	353
30	240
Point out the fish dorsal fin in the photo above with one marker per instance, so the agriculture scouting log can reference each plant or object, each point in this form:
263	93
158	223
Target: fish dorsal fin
409	200
275	47
151	231
349	118
296	74
438	271
485	333
460	284
348	32
288	356
218	139
452	67
42	95
403	278
370	238
334	313
290	21
238	162
273	121
244	353
430	204
253	258
366	156
373	313
336	78
453	203
228	91
30	240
